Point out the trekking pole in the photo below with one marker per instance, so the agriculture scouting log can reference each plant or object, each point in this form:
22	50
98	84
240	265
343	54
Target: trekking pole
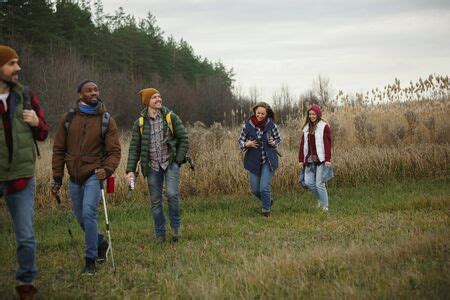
72	240
110	249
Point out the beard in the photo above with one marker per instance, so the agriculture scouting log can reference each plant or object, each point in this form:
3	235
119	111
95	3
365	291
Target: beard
10	80
91	102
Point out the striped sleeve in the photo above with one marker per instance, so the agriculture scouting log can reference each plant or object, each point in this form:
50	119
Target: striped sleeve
276	135
242	139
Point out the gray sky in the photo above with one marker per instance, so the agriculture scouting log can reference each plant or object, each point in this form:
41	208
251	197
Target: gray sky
357	44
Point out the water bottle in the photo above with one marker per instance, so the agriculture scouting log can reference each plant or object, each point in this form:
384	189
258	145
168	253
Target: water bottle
110	184
131	186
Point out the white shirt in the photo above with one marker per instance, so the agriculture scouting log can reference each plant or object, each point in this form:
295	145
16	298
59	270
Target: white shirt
3	98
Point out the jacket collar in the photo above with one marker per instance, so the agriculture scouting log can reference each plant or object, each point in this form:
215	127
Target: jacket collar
164	110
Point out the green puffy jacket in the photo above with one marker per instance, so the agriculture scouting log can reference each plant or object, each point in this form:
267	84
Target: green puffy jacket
24	151
177	142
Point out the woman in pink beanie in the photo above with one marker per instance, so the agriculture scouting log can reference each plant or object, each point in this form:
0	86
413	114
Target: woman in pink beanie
315	154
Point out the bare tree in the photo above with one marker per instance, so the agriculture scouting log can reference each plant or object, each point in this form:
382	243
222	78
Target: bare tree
322	88
255	94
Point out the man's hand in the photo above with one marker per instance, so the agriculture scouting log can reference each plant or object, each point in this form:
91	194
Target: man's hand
101	174
301	165
128	177
30	117
327	164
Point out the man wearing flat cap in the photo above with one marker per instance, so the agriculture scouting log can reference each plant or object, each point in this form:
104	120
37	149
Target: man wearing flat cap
21	124
160	142
89	146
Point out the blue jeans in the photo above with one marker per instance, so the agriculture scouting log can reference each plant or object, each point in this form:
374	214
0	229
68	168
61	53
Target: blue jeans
261	186
155	186
85	198
21	207
314	181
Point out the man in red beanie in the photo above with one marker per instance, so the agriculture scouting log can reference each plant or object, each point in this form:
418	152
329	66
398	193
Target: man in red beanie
21	124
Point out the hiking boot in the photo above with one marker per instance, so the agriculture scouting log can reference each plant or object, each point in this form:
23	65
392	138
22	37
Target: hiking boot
160	239
175	234
102	249
26	291
89	268
265	214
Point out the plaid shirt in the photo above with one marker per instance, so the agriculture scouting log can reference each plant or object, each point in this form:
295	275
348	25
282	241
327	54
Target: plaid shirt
40	133
159	151
275	133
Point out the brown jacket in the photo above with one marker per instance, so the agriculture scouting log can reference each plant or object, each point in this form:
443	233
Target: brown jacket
81	148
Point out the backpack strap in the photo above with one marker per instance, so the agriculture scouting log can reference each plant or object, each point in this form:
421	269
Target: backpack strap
105	123
27	105
141	124
26	98
68	120
169	121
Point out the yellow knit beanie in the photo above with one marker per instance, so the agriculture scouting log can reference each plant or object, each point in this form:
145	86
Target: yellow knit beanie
146	94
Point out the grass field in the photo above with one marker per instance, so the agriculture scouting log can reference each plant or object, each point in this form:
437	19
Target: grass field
378	241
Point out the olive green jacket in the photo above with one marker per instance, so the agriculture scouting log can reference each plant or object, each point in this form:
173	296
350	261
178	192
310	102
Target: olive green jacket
23	160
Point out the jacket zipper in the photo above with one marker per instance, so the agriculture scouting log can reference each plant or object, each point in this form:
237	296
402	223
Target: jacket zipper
81	147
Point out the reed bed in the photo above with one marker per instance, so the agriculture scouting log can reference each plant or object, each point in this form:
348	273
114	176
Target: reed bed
396	141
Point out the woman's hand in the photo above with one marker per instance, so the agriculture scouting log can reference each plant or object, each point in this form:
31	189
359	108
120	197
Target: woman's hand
272	141
251	144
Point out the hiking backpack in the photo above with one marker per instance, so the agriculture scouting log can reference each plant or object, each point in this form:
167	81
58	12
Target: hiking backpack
187	158
105	122
168	120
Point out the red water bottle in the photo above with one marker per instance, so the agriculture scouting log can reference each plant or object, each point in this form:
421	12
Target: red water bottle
110	184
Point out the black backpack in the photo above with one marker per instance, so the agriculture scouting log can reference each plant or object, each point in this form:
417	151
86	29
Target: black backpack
105	122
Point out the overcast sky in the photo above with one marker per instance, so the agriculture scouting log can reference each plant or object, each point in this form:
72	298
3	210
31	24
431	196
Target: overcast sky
357	44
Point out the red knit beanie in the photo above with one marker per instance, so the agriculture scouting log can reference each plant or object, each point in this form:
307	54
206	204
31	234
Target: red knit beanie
316	108
6	54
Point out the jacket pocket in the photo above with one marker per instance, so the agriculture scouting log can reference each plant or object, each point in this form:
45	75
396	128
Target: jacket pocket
70	163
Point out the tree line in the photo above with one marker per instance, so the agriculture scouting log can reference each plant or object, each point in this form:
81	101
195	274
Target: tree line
61	42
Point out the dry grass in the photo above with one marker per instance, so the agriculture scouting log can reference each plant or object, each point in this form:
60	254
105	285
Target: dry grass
398	141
